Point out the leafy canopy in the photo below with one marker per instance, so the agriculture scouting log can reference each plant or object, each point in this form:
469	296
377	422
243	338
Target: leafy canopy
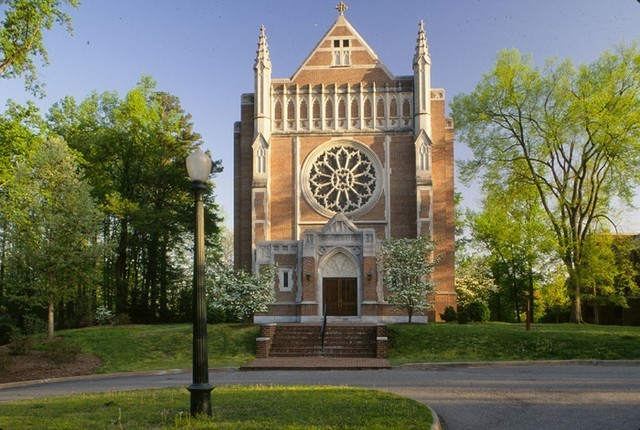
53	223
570	132
21	36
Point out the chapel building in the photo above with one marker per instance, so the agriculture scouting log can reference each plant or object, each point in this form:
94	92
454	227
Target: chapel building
330	163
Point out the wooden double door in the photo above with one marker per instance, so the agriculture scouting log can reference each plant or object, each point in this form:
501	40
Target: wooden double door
340	295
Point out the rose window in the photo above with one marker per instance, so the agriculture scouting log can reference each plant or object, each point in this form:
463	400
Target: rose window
341	178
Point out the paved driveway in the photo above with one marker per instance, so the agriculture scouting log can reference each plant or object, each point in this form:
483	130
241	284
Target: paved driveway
491	397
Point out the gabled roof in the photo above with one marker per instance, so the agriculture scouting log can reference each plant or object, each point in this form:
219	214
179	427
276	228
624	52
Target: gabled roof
362	56
339	224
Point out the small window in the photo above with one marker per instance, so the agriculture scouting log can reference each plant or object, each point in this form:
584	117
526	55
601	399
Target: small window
341	52
286	279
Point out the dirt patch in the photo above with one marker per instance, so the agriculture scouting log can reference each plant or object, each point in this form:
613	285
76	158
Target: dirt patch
36	366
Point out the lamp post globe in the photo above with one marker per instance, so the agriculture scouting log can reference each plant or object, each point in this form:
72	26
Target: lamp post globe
199	168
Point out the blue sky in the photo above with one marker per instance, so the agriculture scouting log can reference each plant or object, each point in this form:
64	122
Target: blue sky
203	50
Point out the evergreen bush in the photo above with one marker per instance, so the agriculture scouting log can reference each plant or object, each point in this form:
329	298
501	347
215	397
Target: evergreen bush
449	314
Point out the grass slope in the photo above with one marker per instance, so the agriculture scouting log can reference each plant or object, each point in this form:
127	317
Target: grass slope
165	346
233	408
501	342
159	347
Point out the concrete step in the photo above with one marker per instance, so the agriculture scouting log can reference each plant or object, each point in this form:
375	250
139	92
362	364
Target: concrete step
300	340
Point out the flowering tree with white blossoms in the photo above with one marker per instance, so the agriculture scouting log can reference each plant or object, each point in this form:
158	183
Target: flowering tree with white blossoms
407	266
241	293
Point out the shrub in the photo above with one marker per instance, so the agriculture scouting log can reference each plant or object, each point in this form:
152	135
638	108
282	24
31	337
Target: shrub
33	325
61	351
216	315
103	315
4	362
20	342
449	314
6	326
478	311
122	319
463	317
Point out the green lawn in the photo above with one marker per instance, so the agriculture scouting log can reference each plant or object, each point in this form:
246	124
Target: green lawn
163	346
499	342
309	408
168	346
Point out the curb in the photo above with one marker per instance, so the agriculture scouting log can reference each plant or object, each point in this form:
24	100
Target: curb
470	364
435	425
109	375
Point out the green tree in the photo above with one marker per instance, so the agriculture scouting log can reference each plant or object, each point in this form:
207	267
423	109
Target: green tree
572	133
597	272
512	228
134	150
53	224
627	281
555	297
19	135
407	266
607	272
21	36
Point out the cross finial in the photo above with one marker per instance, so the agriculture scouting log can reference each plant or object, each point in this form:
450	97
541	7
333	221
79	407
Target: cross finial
341	8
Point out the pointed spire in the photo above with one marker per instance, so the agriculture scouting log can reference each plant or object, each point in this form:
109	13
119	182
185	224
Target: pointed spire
341	8
263	50
422	49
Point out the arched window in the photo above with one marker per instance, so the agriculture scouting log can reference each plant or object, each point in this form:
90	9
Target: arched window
342	113
380	112
277	114
423	157
355	115
393	108
342	108
291	110
328	109
406	108
316	109
261	160
393	112
328	113
316	113
291	114
304	114
367	108
354	108
346	58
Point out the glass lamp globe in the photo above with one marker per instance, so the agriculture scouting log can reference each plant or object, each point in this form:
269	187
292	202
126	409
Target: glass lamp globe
198	166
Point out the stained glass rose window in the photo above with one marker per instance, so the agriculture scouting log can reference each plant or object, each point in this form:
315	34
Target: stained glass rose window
342	178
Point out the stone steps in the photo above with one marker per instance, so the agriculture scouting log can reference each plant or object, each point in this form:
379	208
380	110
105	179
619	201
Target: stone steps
300	340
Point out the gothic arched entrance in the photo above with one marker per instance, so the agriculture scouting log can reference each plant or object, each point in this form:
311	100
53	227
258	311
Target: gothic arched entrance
340	285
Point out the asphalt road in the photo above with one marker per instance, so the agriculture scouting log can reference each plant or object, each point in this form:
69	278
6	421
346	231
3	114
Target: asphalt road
490	397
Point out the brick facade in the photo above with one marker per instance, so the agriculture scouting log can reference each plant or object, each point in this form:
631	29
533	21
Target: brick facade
331	162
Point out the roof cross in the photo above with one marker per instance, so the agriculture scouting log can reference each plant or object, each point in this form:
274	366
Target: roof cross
341	8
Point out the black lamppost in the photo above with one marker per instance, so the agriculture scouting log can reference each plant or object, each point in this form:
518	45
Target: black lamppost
199	168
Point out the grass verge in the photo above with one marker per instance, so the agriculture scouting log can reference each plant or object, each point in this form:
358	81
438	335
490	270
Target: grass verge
233	408
165	346
442	342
